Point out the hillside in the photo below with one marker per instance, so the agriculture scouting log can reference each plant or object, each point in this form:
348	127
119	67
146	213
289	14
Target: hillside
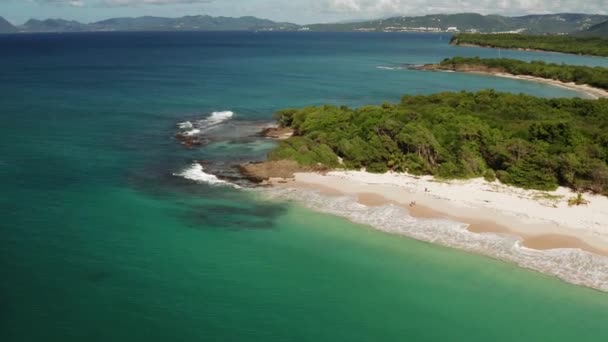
473	22
599	30
6	27
52	25
189	23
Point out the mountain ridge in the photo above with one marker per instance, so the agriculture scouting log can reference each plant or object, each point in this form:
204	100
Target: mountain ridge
152	23
560	23
598	30
7	27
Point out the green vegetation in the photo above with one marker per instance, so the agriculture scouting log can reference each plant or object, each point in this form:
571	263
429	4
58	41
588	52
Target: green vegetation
568	44
578	200
594	76
548	197
599	30
521	140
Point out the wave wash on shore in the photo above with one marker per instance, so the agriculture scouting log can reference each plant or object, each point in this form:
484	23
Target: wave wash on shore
571	265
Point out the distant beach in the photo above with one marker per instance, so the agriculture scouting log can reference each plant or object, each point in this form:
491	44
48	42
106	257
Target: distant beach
589	91
534	229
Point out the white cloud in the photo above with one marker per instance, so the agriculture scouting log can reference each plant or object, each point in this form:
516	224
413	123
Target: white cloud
71	3
127	3
117	3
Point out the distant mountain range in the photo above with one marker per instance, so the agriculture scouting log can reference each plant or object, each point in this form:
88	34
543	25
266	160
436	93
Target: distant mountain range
473	22
564	23
187	23
6	27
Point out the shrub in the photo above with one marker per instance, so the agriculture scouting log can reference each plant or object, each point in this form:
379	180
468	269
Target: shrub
489	175
577	200
503	176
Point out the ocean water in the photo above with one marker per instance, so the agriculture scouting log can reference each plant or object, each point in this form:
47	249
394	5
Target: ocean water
110	233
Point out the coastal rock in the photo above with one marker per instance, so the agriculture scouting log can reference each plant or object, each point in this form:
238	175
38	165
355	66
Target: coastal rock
189	141
262	171
277	132
459	68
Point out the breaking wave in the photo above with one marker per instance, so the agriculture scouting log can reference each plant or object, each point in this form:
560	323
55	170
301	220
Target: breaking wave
571	265
397	67
389	68
190	128
197	173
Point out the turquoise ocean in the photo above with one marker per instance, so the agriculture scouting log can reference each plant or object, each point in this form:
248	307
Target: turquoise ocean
107	236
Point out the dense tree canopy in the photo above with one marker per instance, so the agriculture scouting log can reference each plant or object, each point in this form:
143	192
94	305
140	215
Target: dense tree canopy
523	140
594	76
568	44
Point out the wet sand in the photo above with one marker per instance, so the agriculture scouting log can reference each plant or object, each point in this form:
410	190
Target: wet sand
540	242
542	239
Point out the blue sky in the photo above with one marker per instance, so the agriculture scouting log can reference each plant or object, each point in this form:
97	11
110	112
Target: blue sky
298	11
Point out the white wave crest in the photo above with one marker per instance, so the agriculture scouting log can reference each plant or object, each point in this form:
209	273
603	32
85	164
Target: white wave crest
214	119
192	132
185	125
197	173
218	117
200	126
571	265
391	67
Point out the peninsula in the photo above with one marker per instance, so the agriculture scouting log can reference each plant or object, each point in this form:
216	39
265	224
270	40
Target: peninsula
592	81
525	173
580	45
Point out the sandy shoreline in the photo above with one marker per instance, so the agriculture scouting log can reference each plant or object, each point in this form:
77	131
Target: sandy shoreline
468	45
517	49
589	91
535	225
592	92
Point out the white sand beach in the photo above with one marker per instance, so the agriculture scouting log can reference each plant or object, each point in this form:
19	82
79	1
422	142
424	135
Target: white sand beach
585	89
534	229
591	92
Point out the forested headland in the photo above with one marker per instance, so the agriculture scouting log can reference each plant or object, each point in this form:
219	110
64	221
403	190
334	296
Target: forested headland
522	140
567	44
593	76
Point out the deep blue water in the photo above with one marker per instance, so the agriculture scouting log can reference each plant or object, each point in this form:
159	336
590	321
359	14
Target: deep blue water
100	241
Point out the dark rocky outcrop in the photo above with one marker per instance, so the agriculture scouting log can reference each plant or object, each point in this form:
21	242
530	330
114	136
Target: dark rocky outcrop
263	171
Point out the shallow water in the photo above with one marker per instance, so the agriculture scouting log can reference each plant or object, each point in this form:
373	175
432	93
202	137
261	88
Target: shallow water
100	241
571	265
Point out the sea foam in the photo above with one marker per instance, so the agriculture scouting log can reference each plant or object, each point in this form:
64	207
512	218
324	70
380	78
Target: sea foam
571	265
200	126
196	172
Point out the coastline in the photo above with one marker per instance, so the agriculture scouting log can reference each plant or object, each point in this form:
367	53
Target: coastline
591	92
469	45
515	49
534	229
